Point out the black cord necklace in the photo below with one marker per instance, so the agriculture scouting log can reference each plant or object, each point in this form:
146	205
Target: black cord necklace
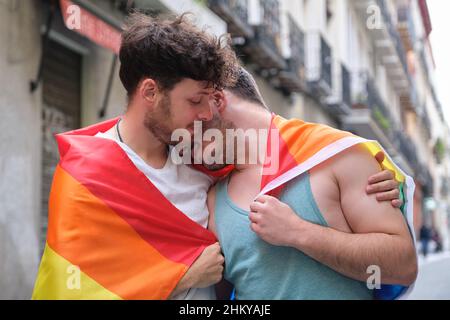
118	132
120	137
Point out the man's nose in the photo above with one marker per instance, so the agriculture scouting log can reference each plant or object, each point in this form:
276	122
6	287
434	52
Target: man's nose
206	114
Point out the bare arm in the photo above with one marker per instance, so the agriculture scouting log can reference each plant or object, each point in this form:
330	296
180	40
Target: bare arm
352	253
380	234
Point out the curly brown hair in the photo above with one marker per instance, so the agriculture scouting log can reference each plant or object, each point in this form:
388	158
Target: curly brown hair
168	50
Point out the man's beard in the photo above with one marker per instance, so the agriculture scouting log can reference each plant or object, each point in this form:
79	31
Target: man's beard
158	121
221	124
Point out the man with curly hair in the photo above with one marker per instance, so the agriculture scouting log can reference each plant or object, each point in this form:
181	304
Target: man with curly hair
119	215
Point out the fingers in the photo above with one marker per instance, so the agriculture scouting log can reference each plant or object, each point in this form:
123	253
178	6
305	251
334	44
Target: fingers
220	259
255	228
214	248
384	186
380	157
256	206
388	196
397	203
254	217
264	198
217	252
381	176
255	214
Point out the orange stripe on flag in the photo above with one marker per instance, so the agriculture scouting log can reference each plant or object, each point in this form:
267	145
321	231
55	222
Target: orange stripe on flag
297	136
86	232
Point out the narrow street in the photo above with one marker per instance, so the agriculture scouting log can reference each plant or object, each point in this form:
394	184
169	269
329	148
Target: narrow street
433	282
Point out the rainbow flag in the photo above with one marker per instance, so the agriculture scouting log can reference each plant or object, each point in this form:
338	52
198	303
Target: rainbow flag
111	233
300	146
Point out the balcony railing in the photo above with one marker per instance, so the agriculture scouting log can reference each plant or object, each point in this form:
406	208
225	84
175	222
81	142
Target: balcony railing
269	32
365	95
378	108
393	34
405	145
340	101
325	58
297	45
235	13
319	63
294	77
265	48
359	98
386	39
346	86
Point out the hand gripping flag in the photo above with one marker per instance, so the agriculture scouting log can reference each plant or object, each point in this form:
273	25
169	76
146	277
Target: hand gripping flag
111	233
295	146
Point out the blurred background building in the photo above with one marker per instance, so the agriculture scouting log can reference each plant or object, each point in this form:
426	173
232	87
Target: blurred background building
365	66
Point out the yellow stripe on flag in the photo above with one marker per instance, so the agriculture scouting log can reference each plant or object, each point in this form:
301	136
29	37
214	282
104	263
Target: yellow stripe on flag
374	148
58	279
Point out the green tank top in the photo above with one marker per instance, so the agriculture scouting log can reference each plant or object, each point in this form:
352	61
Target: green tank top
261	271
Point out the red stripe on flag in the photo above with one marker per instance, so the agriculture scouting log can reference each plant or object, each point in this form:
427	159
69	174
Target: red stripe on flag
106	171
285	159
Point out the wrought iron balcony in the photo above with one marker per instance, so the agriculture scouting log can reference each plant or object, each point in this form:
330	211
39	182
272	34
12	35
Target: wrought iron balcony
359	99
293	79
401	52
379	111
319	64
406	30
346	86
387	40
406	147
325	59
340	101
265	47
369	117
372	119
235	13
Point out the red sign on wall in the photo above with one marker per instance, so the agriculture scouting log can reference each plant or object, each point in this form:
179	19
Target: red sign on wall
90	26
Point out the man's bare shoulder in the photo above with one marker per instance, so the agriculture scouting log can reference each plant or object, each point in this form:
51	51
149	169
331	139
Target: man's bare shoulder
355	162
363	212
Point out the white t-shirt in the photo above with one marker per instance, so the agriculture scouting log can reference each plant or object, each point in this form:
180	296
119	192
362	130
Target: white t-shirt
186	188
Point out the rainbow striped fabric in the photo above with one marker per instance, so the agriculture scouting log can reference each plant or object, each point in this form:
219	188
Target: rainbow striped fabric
111	233
301	146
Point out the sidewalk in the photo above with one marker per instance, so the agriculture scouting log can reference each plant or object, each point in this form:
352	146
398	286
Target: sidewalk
433	281
433	257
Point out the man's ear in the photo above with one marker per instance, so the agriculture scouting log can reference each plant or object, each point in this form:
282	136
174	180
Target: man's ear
148	90
220	100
